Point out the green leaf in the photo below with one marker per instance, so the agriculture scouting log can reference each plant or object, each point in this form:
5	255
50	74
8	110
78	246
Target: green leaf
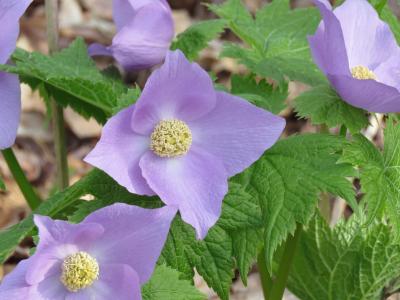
71	77
260	93
211	257
324	106
328	267
165	284
247	243
380	174
196	37
288	179
276	37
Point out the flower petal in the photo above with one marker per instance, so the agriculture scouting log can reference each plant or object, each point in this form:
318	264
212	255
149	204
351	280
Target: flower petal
10	109
178	90
134	236
388	71
236	132
118	153
99	50
196	183
14	285
369	41
327	45
116	282
10	12
124	10
367	94
51	288
144	41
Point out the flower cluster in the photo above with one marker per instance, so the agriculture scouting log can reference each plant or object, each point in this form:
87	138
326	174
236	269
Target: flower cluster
182	141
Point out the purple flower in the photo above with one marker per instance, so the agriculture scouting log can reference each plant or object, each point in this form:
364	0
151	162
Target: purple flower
359	55
10	92
107	256
182	140
145	29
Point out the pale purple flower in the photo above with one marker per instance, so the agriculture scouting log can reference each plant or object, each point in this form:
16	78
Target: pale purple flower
145	29
182	140
359	55
10	92
107	256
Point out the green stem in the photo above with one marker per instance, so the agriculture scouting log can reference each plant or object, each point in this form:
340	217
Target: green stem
57	111
282	276
26	188
265	278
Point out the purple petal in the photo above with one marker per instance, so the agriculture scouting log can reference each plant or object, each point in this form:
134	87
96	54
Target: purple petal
388	71
50	288
369	41
98	49
236	132
116	282
196	183
134	236
367	94
10	12
10	108
179	89
144	41
118	153
54	232
124	10
327	45
14	285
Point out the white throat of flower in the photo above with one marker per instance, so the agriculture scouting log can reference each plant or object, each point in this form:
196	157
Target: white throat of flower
79	271
362	73
171	138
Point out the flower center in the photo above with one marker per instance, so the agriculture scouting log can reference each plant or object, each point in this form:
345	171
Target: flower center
171	138
363	73
79	271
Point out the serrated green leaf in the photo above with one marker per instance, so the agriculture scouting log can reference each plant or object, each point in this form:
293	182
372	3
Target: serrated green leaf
211	257
239	209
326	267
71	77
196	37
380	173
277	40
260	93
247	243
324	106
288	179
166	284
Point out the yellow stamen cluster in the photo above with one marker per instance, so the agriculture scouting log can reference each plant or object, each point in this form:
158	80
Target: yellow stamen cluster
79	271
171	138
363	73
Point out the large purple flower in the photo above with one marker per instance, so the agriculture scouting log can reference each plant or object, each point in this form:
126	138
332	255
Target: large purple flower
182	140
10	92
145	30
107	256
359	55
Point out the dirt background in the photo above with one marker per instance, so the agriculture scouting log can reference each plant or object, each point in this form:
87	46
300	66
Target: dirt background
92	19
